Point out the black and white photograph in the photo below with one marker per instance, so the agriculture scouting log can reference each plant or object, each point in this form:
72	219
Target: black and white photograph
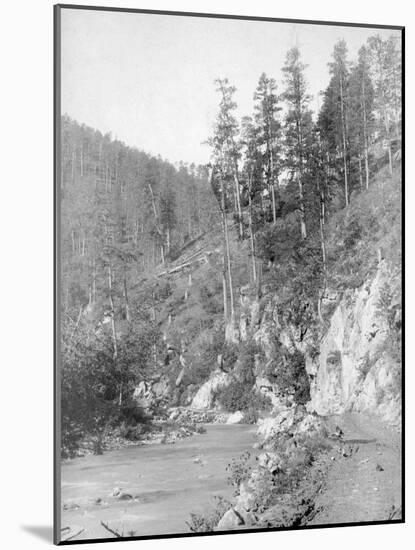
229	319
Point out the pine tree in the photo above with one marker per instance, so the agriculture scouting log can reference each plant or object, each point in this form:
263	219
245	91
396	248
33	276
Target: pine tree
268	129
298	125
252	171
361	113
227	131
225	154
340	72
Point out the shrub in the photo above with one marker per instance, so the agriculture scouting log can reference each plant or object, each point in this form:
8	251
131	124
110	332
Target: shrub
203	356
205	523
92	380
245	366
235	397
210	300
288	368
240	396
297	454
239	470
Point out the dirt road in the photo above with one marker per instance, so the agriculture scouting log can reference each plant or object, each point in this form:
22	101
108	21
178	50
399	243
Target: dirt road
364	481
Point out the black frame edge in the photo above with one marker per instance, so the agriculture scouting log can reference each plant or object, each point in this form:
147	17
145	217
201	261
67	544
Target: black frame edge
56	270
227	16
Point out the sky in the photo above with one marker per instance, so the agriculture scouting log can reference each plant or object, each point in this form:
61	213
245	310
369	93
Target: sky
149	79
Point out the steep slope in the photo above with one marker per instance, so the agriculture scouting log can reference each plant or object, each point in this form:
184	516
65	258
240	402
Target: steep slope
346	360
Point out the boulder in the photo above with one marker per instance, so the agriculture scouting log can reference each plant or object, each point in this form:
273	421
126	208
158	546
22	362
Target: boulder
230	520
235	418
205	396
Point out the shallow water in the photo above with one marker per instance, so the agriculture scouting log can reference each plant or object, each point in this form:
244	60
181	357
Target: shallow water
166	483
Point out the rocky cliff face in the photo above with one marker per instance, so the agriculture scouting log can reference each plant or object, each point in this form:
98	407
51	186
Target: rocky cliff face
358	367
357	364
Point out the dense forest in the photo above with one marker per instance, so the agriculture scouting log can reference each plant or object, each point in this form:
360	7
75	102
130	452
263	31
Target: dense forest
285	203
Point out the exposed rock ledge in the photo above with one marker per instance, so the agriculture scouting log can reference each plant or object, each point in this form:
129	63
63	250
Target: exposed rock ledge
354	370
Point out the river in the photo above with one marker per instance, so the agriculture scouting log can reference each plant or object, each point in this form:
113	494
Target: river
168	482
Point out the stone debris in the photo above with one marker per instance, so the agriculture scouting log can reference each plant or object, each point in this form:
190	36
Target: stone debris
70	506
119	494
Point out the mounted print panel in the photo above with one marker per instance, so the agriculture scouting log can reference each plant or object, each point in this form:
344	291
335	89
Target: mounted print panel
228	274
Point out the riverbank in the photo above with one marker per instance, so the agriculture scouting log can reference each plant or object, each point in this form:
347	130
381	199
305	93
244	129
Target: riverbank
294	469
177	423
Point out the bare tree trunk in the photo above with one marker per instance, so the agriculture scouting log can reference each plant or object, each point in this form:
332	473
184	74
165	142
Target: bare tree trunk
238	202
271	174
323	246
387	129
125	293
224	230
365	136
112	313
228	257
360	172
300	178
157	223
302	208
251	233
274	208
367	167
321	222
113	327
153	318
73	240
227	248
225	292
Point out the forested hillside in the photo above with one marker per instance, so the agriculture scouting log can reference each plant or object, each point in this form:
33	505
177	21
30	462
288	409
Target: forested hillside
170	272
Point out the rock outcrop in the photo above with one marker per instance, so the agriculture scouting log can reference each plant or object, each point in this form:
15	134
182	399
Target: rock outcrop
356	369
205	396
